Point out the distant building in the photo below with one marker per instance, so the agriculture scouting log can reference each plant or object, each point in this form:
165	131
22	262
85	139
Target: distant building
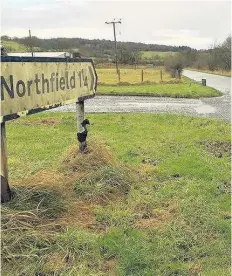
41	54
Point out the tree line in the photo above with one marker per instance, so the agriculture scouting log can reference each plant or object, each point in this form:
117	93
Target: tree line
218	57
99	48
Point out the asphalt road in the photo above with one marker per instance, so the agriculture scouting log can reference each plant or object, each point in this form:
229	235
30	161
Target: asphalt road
219	107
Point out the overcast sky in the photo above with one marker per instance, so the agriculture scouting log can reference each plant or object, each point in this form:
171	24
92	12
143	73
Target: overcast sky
197	24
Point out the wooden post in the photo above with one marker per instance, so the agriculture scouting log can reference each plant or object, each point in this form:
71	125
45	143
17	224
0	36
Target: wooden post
5	188
142	75
119	75
82	130
161	75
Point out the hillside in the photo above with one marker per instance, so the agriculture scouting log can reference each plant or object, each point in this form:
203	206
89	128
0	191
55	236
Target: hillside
13	46
88	47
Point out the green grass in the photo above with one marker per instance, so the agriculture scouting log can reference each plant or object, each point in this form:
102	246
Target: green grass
153	54
167	204
102	185
12	46
185	89
152	86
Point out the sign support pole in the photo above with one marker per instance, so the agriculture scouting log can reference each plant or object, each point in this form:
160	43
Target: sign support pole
5	188
81	126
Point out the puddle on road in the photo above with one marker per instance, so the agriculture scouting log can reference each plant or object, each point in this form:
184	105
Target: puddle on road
205	109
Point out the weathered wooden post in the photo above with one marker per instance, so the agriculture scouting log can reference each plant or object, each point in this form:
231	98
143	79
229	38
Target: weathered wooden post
161	75
203	82
142	75
119	75
81	125
5	188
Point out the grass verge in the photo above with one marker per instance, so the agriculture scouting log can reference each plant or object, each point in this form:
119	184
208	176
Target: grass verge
150	198
215	72
185	89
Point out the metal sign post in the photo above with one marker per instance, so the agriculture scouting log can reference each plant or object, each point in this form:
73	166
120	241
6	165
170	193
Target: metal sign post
34	84
81	125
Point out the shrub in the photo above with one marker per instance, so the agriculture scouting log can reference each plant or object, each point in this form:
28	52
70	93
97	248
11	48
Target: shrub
174	65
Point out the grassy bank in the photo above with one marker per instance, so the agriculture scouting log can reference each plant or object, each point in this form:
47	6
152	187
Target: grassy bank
13	46
183	89
150	198
152	86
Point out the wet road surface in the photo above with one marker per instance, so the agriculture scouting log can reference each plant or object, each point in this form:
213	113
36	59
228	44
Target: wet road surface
221	105
218	107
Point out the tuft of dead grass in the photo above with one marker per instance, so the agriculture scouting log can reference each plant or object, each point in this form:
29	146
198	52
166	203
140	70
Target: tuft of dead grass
195	269
44	121
109	267
217	148
55	262
26	234
155	218
103	185
78	214
44	179
96	157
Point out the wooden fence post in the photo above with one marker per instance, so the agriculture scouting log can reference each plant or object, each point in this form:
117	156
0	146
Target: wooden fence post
142	75
5	188
81	125
161	75
119	75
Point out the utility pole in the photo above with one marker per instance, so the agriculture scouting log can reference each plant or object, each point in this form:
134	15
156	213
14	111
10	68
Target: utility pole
31	43
115	41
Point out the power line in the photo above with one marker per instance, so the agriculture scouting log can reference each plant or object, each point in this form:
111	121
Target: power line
115	41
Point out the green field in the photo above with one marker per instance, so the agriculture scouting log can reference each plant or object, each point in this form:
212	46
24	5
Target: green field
153	54
132	76
12	46
151	197
130	84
